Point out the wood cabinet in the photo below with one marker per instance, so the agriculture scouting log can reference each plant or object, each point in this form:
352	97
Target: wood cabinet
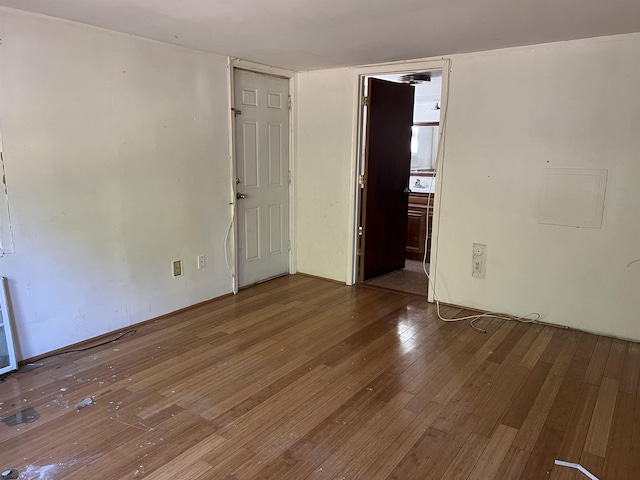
419	221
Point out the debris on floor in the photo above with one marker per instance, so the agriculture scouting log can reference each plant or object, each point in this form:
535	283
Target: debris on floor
28	415
578	467
84	403
45	472
12	473
61	403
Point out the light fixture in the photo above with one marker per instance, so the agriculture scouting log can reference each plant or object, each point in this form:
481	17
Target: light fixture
415	78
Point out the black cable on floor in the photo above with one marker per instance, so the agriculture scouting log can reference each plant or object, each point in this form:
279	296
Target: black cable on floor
75	350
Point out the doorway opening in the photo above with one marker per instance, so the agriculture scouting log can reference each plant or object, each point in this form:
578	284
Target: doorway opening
397	180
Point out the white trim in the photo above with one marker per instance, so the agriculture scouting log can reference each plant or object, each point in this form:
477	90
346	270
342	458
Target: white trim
444	65
260	68
437	200
293	201
401	67
232	198
354	203
7	320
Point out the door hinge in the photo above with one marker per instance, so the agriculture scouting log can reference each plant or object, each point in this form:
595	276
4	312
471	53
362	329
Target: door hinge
361	180
289	176
289	245
359	252
365	101
289	102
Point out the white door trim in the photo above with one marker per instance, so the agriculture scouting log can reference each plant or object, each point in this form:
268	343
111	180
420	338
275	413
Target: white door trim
237	63
402	67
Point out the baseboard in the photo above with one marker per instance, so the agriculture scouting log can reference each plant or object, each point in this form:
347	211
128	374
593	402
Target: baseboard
322	278
115	333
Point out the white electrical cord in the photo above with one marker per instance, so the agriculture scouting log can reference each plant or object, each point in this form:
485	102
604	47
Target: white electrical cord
529	318
578	467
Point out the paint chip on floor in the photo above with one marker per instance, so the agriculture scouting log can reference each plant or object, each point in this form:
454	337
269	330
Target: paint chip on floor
84	403
10	474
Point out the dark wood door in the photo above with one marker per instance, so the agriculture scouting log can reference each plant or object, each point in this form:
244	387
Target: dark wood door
386	176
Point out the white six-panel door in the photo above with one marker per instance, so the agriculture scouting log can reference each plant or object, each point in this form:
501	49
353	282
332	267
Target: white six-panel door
262	170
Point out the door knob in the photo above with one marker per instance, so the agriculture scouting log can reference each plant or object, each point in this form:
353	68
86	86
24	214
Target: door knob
407	190
240	196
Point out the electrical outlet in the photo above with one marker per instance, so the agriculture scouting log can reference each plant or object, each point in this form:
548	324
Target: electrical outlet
479	260
201	262
176	268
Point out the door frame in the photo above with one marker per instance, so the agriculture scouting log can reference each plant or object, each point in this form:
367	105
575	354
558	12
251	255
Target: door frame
444	65
232	241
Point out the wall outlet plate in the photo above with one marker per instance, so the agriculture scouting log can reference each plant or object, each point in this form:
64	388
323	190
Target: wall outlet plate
479	260
176	268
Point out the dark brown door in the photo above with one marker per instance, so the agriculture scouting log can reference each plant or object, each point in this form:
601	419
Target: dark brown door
387	160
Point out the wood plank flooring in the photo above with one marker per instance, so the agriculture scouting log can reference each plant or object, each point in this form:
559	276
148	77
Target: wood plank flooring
411	279
303	378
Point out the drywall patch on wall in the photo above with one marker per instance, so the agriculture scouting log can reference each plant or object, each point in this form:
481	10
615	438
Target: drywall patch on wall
573	197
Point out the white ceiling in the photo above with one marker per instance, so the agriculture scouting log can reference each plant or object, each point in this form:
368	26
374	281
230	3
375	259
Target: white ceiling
315	34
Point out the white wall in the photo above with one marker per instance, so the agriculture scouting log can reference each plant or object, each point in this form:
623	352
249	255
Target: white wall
323	189
511	114
117	162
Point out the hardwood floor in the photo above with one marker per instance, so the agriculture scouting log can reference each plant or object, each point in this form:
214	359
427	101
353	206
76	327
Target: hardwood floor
304	378
410	279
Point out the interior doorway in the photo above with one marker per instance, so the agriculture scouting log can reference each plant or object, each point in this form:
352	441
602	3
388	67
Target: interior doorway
418	175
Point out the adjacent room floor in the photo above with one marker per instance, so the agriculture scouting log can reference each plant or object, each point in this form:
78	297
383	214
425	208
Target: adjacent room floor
304	378
411	279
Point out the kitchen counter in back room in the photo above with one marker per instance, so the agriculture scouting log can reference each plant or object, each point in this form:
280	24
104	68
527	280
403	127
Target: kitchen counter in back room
421	183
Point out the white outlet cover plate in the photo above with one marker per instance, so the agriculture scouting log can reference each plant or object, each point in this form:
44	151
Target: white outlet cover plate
479	252
173	271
